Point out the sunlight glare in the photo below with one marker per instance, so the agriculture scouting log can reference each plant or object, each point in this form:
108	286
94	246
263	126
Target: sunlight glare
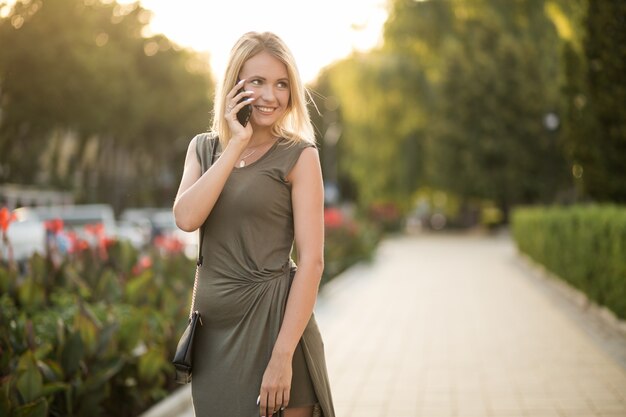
318	32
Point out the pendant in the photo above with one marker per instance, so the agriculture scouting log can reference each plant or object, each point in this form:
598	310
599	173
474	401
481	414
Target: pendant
242	163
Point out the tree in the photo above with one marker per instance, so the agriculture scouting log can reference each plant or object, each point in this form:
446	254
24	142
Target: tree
489	140
376	148
456	98
98	106
595	91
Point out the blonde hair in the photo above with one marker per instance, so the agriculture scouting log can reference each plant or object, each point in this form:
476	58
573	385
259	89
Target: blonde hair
295	125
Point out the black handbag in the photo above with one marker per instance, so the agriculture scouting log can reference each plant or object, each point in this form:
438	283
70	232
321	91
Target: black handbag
183	357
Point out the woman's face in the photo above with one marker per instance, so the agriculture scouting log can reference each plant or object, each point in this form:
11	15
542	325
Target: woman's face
267	77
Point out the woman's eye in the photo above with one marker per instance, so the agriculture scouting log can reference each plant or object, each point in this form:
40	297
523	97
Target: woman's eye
283	84
255	82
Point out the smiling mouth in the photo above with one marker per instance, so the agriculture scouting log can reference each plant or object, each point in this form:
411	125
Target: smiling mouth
264	109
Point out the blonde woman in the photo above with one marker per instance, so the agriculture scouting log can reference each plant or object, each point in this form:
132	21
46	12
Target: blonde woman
259	351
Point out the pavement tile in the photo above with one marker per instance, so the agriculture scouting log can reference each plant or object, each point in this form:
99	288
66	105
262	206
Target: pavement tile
539	403
437	411
404	408
508	413
471	409
499	406
372	397
598	390
472	412
366	411
609	406
543	413
342	410
402	401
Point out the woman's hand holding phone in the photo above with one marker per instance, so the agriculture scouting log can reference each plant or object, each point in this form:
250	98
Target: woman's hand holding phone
238	111
243	115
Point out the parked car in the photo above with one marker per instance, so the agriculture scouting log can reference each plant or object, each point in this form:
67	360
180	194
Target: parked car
162	224
76	217
26	234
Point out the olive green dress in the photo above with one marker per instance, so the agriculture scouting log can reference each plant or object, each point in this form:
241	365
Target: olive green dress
243	287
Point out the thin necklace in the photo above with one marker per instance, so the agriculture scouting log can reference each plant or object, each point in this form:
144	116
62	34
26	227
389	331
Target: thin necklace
242	162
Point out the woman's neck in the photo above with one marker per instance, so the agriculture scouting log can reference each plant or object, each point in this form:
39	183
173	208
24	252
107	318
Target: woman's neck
261	138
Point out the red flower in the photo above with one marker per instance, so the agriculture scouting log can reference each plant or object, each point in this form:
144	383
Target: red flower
169	244
333	218
76	243
102	241
6	218
54	226
145	262
96	229
384	211
81	245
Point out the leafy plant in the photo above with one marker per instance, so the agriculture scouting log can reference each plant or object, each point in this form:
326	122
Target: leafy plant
89	330
584	245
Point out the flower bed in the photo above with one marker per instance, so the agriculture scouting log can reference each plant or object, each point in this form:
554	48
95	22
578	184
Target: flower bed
89	328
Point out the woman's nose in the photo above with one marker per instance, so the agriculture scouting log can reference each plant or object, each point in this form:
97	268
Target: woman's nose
267	93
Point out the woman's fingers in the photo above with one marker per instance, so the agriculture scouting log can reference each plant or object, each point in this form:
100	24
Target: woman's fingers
236	99
275	386
285	399
271	402
234	109
234	91
234	103
242	96
267	404
262	402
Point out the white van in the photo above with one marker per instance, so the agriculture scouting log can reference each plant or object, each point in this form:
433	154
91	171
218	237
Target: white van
26	235
76	217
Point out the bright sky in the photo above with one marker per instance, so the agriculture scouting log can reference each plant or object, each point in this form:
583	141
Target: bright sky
318	32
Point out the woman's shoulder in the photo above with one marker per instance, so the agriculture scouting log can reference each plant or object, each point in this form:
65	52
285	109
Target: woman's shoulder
204	144
205	138
290	151
295	145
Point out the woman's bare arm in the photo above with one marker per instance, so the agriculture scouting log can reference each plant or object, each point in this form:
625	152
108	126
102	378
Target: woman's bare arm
308	209
198	192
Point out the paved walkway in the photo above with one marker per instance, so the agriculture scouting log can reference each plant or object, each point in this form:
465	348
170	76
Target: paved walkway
458	326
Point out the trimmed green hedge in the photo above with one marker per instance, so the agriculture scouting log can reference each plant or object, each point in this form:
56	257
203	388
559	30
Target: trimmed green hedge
584	245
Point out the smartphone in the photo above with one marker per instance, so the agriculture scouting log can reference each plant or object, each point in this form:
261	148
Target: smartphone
244	114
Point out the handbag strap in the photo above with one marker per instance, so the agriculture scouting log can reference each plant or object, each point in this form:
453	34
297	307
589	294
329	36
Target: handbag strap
201	238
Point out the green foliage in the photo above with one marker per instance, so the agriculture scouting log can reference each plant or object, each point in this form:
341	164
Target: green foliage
376	136
347	242
595	90
583	245
82	87
484	100
489	126
90	337
94	334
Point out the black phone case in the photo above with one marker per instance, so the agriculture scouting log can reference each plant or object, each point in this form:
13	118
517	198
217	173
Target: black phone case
244	114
